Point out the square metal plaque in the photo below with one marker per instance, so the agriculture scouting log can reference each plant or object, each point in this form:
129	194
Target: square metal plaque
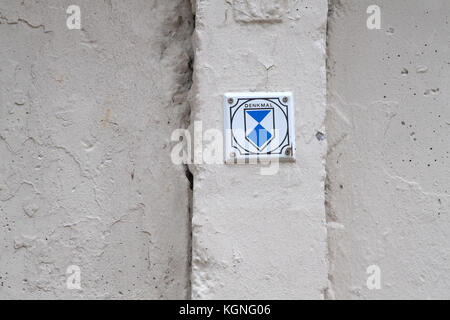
259	125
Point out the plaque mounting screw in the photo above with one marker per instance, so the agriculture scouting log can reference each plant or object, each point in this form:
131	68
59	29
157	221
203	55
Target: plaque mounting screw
230	100
232	154
285	99
288	152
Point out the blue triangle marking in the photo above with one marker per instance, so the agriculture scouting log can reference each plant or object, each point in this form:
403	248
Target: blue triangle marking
258	115
259	135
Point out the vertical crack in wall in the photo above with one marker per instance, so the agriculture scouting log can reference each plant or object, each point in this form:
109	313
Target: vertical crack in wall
187	171
181	26
177	52
329	292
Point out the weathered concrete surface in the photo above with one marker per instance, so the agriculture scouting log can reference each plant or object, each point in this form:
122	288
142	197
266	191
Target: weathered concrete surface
85	170
388	129
260	236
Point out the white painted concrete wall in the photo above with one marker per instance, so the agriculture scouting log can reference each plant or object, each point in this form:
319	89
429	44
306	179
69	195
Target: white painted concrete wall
85	171
388	131
86	178
261	236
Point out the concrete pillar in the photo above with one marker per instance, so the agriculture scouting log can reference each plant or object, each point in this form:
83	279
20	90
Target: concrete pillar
261	236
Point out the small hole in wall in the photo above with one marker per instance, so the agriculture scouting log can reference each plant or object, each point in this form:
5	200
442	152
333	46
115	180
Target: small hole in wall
320	136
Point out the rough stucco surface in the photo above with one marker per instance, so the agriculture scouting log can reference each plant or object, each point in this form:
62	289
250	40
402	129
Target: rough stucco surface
85	170
388	129
258	236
